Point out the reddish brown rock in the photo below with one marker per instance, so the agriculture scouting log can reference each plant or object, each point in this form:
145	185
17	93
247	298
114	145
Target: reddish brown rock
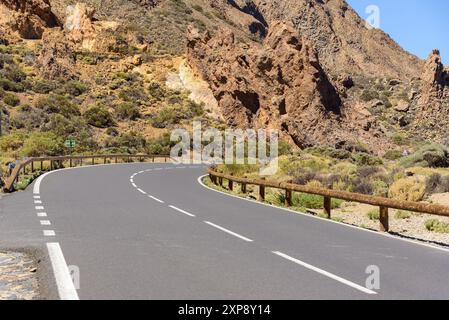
57	58
435	79
279	84
29	18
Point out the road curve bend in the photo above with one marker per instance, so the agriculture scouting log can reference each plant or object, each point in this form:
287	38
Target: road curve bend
151	231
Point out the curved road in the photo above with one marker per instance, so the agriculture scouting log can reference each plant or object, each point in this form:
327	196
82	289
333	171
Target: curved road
151	231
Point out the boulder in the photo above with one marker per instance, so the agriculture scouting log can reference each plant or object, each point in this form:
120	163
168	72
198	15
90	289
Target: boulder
402	106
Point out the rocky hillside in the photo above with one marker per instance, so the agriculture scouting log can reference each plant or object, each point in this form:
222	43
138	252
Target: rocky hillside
119	74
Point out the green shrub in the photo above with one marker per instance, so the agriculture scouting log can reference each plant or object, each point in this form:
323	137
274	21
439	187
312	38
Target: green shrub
365	159
11	99
43	86
75	88
437	226
128	111
9	85
311	201
432	155
99	116
393	155
57	104
165	118
373	214
368	95
132	94
402	215
41	144
12	141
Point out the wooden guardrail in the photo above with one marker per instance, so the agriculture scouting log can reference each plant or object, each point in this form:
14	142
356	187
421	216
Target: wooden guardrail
74	160
383	203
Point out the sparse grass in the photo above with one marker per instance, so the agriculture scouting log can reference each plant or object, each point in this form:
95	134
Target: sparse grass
435	225
373	214
401	215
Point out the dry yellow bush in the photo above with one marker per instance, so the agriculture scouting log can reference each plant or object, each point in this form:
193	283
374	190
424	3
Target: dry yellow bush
314	184
411	189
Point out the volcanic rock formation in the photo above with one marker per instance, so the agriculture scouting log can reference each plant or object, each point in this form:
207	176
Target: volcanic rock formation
29	18
279	84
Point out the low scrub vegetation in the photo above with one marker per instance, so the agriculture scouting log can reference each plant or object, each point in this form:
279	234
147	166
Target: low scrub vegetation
435	225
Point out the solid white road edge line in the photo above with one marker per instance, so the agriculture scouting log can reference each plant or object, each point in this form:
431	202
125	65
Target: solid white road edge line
141	191
325	273
156	199
381	234
182	211
228	231
66	288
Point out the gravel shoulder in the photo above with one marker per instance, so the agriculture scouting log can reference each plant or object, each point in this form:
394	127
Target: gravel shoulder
18	276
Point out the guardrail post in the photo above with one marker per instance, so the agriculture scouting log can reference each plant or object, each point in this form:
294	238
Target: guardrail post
32	166
243	187
327	207
383	218
51	165
42	165
262	192
105	158
230	184
93	160
288	198
70	162
116	160
152	159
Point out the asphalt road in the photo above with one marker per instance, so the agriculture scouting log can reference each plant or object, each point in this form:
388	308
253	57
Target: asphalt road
151	231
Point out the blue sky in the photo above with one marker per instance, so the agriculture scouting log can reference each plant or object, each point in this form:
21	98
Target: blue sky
417	25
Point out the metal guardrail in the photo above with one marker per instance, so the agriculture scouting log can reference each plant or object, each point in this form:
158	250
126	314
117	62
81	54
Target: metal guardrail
57	162
383	203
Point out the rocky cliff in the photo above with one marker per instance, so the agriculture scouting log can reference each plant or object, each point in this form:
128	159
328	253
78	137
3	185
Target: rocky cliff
29	18
279	84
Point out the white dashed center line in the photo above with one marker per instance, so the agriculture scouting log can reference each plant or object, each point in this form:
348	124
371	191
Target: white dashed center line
228	231
39	208
182	211
41	214
45	223
49	233
325	273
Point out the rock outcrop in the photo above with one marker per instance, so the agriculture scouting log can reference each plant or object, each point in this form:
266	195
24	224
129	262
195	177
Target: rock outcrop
279	84
432	117
29	18
343	42
79	24
435	79
57	58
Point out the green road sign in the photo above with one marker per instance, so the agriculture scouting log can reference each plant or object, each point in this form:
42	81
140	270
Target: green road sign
70	143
